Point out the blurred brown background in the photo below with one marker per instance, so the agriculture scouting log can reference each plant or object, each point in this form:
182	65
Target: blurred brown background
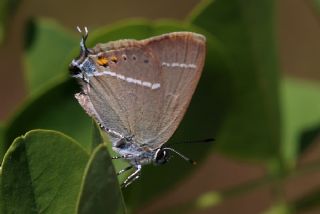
298	39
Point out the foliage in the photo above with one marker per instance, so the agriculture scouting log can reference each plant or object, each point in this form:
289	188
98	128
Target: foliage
252	111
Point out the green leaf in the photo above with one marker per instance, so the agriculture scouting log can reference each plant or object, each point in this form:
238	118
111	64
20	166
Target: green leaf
47	46
301	113
100	192
251	127
42	172
97	137
56	109
7	8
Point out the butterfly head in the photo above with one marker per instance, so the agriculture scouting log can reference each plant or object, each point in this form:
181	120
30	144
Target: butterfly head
82	64
161	156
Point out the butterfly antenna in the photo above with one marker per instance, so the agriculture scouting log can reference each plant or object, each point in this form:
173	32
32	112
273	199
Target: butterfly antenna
83	46
208	140
181	155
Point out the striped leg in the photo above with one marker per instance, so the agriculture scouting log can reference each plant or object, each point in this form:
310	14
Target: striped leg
135	175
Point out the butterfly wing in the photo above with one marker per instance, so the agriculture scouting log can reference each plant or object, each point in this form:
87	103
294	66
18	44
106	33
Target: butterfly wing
145	87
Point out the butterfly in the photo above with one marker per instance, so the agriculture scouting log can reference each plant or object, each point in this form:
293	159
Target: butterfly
139	90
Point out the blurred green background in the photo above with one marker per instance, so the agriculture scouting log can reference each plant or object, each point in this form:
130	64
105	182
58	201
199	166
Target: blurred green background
259	96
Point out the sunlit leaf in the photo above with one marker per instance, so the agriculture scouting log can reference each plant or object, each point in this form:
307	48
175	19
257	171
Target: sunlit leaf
301	113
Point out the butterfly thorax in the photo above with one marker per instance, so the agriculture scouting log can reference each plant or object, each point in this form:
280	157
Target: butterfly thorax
139	154
133	152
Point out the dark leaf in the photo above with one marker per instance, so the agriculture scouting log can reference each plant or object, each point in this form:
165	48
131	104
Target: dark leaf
100	192
56	109
251	128
42	172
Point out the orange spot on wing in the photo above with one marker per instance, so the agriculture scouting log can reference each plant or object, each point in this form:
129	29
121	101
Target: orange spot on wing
103	61
114	59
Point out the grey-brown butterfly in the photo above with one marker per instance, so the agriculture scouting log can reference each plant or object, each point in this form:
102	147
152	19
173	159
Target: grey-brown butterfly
139	91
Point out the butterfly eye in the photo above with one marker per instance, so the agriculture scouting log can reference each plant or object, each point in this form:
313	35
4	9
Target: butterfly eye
74	70
161	157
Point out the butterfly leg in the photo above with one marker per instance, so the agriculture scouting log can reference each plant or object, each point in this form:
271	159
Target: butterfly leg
121	157
134	176
117	157
124	170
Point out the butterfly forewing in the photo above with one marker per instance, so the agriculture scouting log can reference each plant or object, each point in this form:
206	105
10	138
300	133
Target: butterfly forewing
131	91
